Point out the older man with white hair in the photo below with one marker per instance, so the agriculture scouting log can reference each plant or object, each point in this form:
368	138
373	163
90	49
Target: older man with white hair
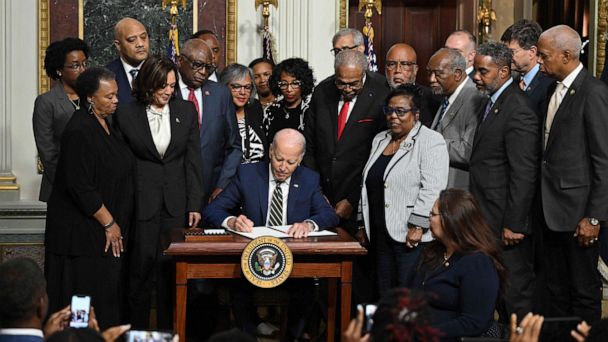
574	176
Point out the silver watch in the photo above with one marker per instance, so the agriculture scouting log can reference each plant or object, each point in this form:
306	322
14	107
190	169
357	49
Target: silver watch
593	221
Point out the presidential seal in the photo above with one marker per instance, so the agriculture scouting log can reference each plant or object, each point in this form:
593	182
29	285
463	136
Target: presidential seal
266	262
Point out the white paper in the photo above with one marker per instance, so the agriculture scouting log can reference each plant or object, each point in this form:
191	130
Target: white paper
278	232
284	229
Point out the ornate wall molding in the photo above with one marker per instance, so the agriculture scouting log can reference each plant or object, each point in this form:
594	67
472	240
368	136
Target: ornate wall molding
602	35
342	14
231	31
43	41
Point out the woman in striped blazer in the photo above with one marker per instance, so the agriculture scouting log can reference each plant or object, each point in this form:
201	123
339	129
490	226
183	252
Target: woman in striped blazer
407	168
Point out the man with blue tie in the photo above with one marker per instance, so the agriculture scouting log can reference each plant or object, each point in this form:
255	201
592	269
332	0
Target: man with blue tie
276	193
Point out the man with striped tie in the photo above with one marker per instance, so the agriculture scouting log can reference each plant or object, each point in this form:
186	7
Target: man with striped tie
276	193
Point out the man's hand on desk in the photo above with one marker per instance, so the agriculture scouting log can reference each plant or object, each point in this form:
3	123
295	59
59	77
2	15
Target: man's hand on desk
300	229
241	224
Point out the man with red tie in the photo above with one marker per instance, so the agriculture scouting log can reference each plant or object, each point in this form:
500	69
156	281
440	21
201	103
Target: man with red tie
345	114
220	139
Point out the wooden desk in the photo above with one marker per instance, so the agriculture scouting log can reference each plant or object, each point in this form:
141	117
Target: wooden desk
321	257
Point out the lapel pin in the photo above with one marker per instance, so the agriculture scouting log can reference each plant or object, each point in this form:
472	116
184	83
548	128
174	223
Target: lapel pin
572	92
496	111
177	120
296	186
207	93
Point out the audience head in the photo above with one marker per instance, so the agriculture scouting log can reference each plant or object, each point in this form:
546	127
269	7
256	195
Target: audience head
446	70
132	41
286	153
401	65
262	70
292	78
492	67
212	40
76	335
559	49
66	59
465	43
350	66
522	38
401	109
23	299
195	63
403	315
239	79
457	222
347	39
156	80
98	86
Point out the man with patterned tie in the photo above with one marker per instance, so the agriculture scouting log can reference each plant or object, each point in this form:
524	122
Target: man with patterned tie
456	119
277	193
573	177
220	139
503	171
132	42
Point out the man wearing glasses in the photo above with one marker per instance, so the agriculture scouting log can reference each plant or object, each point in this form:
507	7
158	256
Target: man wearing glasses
220	139
401	68
133	44
344	116
347	39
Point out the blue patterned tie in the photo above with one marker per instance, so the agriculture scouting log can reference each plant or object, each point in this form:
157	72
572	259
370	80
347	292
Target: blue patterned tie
444	106
276	206
487	111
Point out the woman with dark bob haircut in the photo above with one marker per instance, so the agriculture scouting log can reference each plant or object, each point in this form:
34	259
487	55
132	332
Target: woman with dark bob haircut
462	269
64	61
90	209
293	79
162	132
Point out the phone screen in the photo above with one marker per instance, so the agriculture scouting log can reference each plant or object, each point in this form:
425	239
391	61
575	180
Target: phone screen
80	307
148	336
368	314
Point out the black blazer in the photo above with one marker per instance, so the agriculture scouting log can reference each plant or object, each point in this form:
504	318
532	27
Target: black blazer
537	91
124	88
174	180
504	161
341	163
574	168
254	116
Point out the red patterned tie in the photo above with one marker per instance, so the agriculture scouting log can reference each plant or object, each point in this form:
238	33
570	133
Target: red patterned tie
342	118
192	98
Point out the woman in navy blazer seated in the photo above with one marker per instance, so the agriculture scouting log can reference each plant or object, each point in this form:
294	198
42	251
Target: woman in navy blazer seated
462	269
163	134
407	168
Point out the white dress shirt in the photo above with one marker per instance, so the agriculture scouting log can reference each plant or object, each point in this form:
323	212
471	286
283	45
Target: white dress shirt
160	127
352	102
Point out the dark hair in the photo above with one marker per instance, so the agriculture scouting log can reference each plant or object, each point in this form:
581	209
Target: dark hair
87	83
152	76
403	315
524	32
232	335
261	60
296	67
76	335
500	53
408	89
199	33
56	52
465	226
22	284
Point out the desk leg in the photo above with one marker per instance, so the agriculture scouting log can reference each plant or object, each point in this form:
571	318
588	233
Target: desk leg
181	294
345	293
332	289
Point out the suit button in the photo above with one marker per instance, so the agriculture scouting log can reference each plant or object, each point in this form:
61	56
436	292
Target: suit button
386	205
333	159
544	162
385	186
327	180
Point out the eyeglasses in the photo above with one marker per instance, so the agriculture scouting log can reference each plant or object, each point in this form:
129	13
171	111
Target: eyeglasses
336	51
294	84
196	66
353	85
76	66
431	214
400	111
405	65
238	87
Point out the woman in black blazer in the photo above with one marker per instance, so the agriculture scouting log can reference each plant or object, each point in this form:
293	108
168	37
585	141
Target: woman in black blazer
249	113
163	134
462	269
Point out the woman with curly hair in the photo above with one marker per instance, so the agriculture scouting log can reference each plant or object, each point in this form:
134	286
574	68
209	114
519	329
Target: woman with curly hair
293	79
462	269
65	60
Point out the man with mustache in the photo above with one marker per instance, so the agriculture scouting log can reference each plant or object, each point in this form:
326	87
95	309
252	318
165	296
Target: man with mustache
401	68
220	139
503	171
133	44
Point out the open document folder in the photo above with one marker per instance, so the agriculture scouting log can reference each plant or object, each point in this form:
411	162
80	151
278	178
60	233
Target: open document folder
278	232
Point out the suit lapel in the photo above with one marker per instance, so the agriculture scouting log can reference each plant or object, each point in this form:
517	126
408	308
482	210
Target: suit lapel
177	123
143	127
294	192
364	99
62	98
263	169
484	125
408	145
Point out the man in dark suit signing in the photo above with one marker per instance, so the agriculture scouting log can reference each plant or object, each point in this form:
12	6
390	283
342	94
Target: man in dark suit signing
503	171
275	193
574	176
133	44
220	139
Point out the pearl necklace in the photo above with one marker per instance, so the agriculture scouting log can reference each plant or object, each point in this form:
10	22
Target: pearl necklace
446	263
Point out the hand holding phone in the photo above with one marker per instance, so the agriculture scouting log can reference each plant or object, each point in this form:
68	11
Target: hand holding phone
368	314
80	308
